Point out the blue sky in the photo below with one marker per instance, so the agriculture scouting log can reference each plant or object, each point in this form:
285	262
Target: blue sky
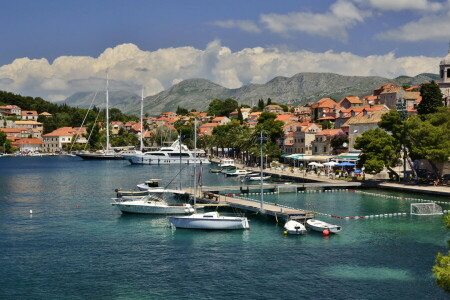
211	39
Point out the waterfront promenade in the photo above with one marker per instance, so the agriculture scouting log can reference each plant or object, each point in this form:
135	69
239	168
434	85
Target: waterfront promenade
285	172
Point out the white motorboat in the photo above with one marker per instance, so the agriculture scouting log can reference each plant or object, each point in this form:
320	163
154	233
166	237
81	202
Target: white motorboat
151	204
318	225
226	163
210	220
152	186
175	154
258	178
237	172
294	227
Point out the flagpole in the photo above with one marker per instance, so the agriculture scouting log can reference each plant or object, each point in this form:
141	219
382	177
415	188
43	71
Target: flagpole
195	164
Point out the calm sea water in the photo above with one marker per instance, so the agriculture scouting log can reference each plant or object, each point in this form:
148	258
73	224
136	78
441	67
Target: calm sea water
75	245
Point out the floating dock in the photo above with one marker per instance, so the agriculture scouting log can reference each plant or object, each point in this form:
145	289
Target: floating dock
277	211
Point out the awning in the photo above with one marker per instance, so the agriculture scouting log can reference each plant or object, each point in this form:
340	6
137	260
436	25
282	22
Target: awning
354	156
285	154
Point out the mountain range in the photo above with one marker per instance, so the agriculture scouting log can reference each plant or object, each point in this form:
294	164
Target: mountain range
295	90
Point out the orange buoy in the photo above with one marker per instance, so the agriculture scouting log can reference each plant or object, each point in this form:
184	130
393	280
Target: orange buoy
325	232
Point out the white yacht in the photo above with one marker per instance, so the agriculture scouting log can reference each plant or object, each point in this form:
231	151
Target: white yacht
151	204
168	155
227	163
210	220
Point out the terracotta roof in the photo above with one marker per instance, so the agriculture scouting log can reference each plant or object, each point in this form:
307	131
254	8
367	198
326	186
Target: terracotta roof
28	142
29	113
12	130
373	117
330	132
64	131
209	125
28	123
327	118
351	99
45	114
392	90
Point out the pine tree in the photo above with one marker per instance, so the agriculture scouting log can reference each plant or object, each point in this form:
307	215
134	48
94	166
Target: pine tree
431	98
240	117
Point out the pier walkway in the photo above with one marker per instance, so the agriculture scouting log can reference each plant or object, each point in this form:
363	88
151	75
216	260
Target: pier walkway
249	205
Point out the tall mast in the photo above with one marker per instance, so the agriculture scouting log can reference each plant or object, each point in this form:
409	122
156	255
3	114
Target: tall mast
195	162
107	113
261	171
142	119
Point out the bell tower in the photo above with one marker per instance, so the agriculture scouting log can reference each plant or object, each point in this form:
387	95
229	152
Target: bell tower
444	72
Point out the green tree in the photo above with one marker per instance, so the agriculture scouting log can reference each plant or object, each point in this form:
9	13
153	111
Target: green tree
265	115
431	98
229	105
182	111
339	144
429	138
215	107
378	150
269	101
261	104
240	117
441	270
5	144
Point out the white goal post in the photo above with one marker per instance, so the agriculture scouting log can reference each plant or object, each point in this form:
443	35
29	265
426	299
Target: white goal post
426	209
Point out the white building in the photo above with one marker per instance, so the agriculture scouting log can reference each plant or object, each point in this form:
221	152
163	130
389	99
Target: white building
444	85
62	137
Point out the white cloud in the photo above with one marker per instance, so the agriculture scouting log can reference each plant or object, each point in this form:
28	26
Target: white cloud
244	25
130	68
397	5
334	23
428	28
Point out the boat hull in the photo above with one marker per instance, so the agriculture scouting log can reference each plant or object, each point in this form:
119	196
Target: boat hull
294	227
320	226
140	208
221	223
92	156
147	160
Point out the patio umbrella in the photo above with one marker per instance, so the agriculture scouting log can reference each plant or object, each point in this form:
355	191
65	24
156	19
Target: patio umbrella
330	163
319	165
345	164
312	163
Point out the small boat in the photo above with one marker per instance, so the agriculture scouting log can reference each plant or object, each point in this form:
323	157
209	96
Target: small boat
253	178
211	221
215	170
227	163
294	227
152	186
237	172
318	225
151	204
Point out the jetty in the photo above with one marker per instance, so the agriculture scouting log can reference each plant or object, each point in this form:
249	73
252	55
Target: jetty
249	205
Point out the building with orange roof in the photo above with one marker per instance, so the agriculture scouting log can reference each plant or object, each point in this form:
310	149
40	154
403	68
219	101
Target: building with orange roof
29	115
28	145
169	114
273	108
62	138
359	125
45	114
287	143
286	118
380	89
254	116
221	120
390	97
11	110
303	137
321	144
350	102
16	132
207	128
29	124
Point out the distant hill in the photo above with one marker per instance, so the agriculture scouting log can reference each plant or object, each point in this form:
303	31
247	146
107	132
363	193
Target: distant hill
119	99
295	90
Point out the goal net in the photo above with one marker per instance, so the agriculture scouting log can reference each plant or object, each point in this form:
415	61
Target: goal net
426	209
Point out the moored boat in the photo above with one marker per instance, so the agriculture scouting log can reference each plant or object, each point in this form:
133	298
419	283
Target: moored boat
151	204
236	172
294	227
318	225
210	221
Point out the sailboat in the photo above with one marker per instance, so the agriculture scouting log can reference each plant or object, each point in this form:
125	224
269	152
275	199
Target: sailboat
209	220
108	153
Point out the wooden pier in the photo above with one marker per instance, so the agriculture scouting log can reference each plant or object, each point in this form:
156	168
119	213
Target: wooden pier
277	211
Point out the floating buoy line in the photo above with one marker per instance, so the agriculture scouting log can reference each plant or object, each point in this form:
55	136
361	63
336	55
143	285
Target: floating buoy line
375	216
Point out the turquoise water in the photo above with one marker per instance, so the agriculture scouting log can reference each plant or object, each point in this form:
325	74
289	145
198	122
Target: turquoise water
75	245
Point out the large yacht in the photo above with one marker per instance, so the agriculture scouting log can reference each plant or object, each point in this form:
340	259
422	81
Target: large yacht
174	154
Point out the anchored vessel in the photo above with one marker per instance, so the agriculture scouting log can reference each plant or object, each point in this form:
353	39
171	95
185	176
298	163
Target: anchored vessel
210	220
175	154
318	225
151	204
294	227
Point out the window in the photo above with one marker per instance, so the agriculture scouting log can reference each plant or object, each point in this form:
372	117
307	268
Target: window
448	73
325	149
315	149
